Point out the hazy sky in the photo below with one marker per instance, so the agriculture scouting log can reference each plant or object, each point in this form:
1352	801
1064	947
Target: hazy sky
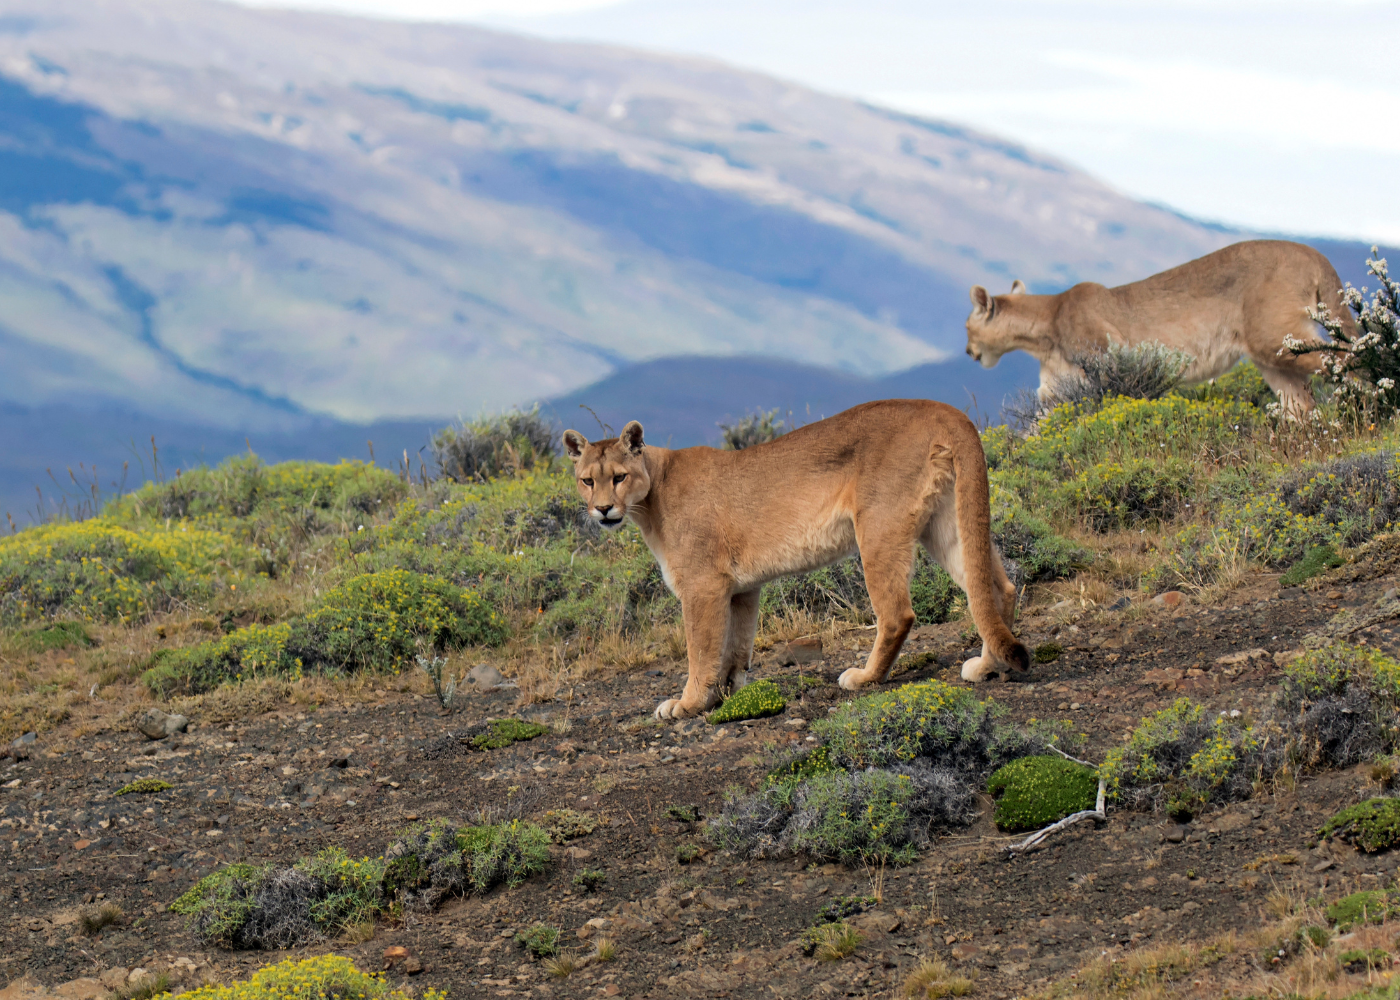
1276	115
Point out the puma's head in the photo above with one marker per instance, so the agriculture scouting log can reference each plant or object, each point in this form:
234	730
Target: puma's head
987	333
610	475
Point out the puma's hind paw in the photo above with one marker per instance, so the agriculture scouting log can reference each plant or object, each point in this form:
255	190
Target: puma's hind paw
981	668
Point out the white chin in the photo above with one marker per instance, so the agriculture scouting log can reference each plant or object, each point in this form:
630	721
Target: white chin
990	362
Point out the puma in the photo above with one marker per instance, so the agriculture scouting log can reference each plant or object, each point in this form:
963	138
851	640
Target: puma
879	479
1237	302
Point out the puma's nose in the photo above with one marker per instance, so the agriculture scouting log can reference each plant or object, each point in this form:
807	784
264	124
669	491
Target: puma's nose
603	508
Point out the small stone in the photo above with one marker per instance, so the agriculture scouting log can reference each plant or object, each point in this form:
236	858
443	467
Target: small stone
1074	706
796	723
340	762
612	989
1175	835
114	978
487	678
1120	604
412	966
965	952
1286	656
578	853
1390	594
1321	866
80	989
25	740
1064	605
394	953
585	932
1334	595
798	651
157	725
1170	599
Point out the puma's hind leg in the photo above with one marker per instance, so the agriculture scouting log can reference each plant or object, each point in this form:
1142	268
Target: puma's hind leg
738	647
887	562
941	541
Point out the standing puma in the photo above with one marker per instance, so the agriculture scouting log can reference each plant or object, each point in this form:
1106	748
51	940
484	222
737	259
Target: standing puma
879	478
1237	302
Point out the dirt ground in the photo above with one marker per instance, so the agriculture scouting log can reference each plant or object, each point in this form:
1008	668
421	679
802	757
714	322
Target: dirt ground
286	783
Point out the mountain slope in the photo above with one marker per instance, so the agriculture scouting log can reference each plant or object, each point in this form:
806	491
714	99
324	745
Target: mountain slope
247	217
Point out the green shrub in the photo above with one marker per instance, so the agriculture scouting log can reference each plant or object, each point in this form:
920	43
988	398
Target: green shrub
103	572
480	449
856	818
1125	494
144	786
1356	960
1241	384
567	824
243	487
807	764
378	620
753	701
935	597
1316	561
505	853
1035	791
686	853
1029	541
756	428
539	940
266	906
844	907
1372	906
682	814
246	653
59	635
925	719
1373	825
589	879
501	733
1048	652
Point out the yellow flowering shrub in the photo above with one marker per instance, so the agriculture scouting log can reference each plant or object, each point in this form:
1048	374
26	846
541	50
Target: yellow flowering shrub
381	620
101	571
326	977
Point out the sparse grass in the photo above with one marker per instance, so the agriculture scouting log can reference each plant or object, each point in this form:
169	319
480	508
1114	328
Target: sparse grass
144	786
567	824
605	948
91	922
686	853
560	966
682	814
835	942
932	979
146	988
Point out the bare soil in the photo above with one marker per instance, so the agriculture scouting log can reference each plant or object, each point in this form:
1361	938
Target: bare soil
291	781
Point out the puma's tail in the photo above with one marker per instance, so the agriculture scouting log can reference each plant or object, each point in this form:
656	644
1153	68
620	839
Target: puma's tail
972	502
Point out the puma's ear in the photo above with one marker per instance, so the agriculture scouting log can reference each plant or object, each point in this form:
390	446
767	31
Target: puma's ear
632	437
981	299
1018	287
574	443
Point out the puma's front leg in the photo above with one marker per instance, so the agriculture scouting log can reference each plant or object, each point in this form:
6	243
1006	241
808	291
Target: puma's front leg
706	615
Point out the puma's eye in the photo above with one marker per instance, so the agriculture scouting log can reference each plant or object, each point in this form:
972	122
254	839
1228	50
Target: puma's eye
619	478
588	483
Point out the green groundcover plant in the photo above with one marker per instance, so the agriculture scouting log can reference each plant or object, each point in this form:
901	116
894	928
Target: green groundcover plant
1035	791
266	906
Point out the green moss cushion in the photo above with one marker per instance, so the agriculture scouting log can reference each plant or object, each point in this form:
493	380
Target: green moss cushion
757	700
1035	791
1373	825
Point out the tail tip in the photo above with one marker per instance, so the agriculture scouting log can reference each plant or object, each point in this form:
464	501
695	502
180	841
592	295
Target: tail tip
1018	656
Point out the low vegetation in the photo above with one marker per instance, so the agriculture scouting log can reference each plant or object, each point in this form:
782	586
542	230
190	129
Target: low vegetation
265	906
310	979
754	701
1035	791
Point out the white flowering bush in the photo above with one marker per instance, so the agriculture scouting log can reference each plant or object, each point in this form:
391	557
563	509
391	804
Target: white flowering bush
1363	359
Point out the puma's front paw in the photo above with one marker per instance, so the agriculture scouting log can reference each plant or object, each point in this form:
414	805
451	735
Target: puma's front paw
852	679
981	668
672	708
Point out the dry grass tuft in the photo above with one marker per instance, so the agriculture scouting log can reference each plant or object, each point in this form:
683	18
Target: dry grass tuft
932	978
606	949
560	966
836	942
91	922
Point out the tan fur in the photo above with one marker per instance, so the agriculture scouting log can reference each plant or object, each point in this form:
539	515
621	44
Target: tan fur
1237	302
879	479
